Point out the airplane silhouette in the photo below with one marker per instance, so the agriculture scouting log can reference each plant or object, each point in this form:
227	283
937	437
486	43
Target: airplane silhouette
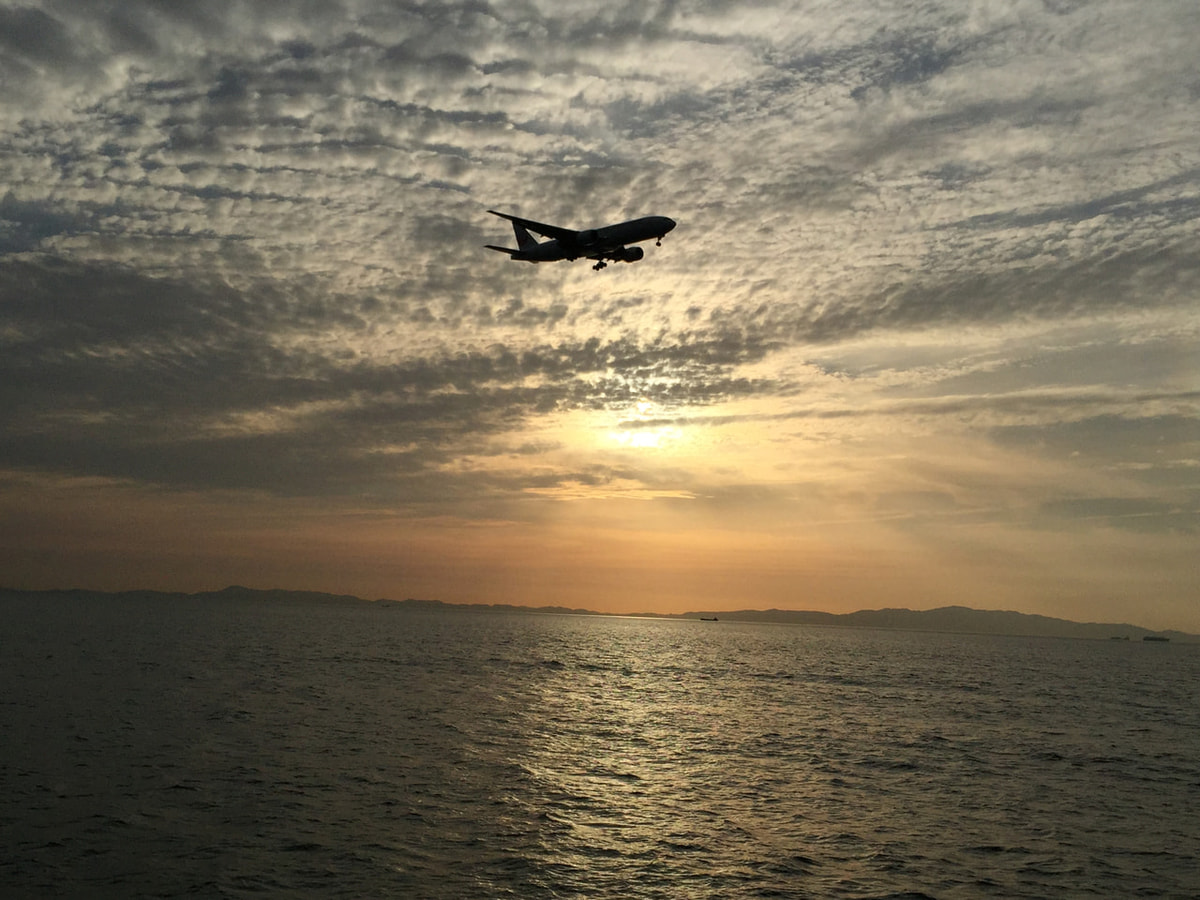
600	244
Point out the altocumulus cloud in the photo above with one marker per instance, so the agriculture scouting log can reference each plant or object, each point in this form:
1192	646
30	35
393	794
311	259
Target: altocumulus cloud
240	242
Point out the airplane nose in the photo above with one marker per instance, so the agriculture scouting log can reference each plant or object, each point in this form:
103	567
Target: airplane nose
670	223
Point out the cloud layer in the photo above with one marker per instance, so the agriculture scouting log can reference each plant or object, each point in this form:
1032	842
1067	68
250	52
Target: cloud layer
936	266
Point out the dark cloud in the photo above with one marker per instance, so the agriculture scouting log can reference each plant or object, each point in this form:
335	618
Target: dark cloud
35	37
1129	513
107	372
241	243
1154	457
1159	200
26	223
904	59
1109	439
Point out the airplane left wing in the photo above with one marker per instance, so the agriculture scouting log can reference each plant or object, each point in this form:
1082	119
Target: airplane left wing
565	235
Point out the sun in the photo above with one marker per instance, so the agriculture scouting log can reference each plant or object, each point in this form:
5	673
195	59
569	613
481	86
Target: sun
648	429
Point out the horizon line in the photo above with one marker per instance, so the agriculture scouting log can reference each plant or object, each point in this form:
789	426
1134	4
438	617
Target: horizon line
731	614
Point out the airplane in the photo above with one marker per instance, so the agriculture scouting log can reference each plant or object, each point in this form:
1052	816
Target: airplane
600	244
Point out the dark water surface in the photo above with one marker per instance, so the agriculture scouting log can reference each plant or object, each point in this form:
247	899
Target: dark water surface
216	749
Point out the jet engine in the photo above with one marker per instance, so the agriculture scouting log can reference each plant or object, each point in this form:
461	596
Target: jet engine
629	254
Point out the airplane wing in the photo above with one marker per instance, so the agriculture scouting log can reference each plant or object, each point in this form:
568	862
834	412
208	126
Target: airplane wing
566	235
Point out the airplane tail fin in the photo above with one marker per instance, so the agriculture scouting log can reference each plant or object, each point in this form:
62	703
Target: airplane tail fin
524	239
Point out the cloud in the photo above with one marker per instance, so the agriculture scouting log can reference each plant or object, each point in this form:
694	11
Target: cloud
195	384
1133	513
241	250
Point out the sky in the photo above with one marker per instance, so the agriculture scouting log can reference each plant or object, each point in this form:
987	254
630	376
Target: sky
926	332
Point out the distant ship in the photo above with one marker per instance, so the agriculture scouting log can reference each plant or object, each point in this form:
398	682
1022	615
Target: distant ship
1156	637
708	619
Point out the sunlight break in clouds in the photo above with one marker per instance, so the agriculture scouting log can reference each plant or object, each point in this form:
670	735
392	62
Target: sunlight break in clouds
925	333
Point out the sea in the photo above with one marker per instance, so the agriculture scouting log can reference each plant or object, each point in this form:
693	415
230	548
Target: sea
189	747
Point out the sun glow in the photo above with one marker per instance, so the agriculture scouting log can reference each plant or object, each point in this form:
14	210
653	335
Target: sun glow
648	429
645	438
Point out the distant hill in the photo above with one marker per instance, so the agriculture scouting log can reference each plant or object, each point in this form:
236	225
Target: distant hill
954	619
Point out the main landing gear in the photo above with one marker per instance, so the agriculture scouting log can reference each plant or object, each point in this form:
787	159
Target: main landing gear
600	265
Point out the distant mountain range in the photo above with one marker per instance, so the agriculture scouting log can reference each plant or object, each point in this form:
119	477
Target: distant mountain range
954	619
957	619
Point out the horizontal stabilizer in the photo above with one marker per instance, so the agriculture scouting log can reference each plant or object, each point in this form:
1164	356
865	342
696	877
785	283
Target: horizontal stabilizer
507	250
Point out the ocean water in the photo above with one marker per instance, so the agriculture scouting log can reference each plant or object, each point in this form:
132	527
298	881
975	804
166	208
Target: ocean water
336	749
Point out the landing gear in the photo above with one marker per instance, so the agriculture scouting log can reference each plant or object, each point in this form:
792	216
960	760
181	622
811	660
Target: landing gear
600	265
658	242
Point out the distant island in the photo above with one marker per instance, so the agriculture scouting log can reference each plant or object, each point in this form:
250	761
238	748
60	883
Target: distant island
951	619
955	619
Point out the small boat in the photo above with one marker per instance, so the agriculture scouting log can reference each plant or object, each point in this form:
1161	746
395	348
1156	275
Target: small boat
1157	638
709	619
